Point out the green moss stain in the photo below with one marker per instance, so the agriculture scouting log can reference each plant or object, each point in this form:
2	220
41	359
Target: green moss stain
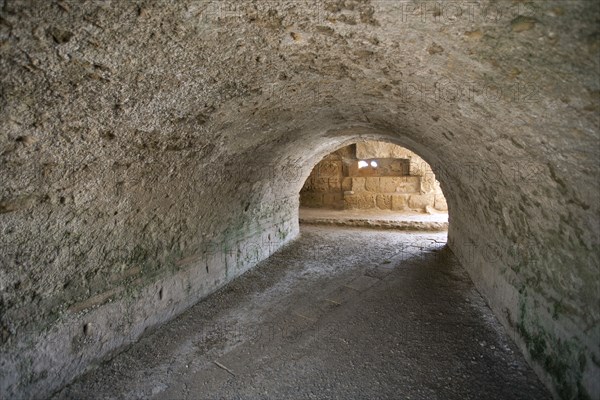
564	360
557	309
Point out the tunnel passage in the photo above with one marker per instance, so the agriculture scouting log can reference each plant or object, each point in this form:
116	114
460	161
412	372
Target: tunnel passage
339	313
152	152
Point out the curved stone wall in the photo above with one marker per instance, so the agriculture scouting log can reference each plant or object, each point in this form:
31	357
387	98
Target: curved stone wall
153	150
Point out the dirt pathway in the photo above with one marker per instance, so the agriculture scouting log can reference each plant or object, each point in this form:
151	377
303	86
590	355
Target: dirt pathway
338	314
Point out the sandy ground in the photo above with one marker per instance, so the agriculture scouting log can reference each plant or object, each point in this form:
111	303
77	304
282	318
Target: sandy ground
337	314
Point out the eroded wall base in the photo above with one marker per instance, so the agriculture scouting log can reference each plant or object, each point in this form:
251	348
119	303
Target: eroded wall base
555	349
40	364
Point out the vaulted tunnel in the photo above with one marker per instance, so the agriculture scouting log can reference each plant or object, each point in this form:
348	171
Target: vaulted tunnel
147	147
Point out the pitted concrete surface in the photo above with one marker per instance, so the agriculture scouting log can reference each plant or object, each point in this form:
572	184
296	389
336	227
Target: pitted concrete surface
378	219
144	141
337	314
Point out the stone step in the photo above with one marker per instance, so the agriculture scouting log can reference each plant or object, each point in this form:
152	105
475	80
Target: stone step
428	226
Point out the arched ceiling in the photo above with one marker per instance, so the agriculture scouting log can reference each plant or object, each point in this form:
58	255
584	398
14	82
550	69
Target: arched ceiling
155	124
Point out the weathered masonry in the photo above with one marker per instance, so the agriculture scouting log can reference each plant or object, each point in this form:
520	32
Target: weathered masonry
373	175
151	151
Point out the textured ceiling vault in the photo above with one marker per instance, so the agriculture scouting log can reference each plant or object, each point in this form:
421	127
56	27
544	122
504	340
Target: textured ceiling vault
133	133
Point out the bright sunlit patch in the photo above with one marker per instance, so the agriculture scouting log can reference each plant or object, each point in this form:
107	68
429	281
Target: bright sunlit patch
374	164
363	164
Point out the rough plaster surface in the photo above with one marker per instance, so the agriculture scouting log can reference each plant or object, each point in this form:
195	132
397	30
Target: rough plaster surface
144	142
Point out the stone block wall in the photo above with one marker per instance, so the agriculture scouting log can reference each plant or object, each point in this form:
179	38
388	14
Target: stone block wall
401	181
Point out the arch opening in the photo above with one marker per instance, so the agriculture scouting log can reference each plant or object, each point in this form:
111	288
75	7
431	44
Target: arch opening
373	183
373	175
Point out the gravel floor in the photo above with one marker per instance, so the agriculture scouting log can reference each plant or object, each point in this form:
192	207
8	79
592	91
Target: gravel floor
337	314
